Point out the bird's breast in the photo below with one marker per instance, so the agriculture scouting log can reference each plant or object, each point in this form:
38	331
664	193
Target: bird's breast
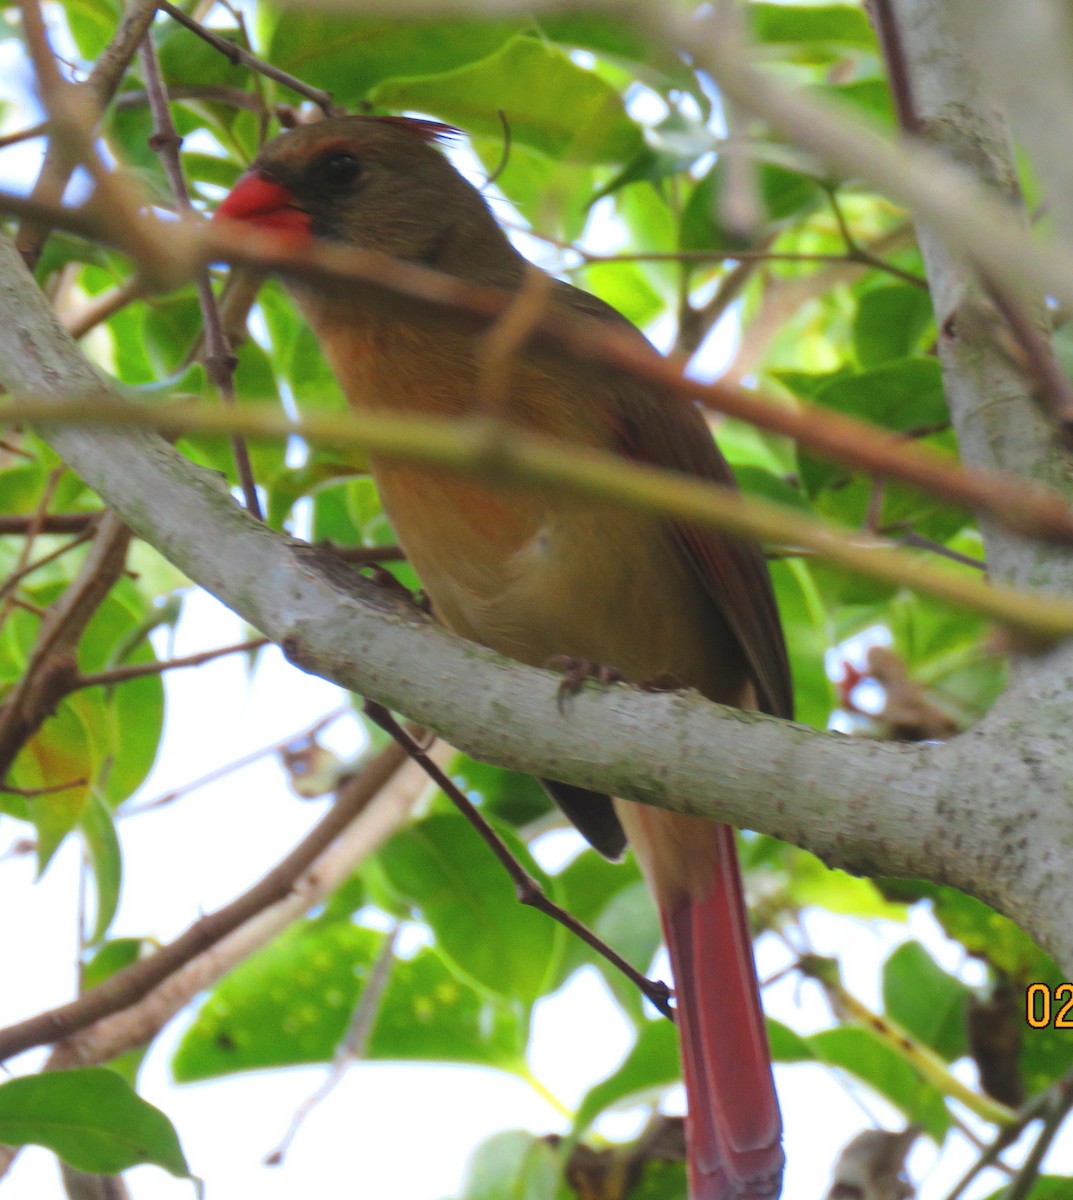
528	571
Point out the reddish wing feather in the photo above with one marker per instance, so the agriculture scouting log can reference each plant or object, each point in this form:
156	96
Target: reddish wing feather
733	572
668	431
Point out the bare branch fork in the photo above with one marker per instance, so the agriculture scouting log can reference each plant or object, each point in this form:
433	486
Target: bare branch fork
527	888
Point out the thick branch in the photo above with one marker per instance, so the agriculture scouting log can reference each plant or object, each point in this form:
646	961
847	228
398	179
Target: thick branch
997	421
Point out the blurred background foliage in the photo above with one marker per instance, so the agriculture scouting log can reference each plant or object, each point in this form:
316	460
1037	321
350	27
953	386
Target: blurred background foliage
612	164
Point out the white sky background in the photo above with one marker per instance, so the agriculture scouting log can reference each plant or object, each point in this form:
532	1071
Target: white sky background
398	1131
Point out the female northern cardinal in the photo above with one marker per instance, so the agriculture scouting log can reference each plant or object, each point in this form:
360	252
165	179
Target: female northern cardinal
537	574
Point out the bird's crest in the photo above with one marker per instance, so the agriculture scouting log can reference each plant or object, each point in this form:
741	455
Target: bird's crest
427	131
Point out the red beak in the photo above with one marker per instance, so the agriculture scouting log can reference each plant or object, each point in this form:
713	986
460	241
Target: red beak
265	204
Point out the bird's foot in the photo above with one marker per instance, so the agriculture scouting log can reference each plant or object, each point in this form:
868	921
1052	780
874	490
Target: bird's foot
576	670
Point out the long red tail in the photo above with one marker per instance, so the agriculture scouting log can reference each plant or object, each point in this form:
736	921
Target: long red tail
734	1131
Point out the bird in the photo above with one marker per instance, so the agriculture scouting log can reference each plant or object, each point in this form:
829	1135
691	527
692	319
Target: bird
538	574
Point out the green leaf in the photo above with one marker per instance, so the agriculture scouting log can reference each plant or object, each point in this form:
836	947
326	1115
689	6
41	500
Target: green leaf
550	103
20	487
291	1003
349	56
902	395
650	1066
551	195
513	797
865	1055
871	96
783	193
91	1119
630	923
786	1044
808	638
619	41
782	23
513	1165
1046	1187
990	936
127	721
925	1000
891	322
106	859
804	881
586	888
626	287
92	24
61	753
109	958
588	883
760	482
462	891
661	1180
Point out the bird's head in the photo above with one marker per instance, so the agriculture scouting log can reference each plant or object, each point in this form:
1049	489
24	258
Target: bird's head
378	183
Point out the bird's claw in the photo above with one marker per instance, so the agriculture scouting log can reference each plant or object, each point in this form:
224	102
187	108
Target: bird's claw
575	671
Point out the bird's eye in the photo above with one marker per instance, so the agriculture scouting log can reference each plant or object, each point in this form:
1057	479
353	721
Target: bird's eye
339	171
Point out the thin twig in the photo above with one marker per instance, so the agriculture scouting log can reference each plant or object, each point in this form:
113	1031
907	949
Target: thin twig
862	257
19	526
528	889
834	436
103	307
72	122
236	97
1053	387
890	43
1057	1094
131	984
140	670
52	667
504	156
9	447
36	523
218	359
855	252
694	324
929	1065
1023	1181
16	577
922	543
303	735
99	89
351	1048
34	609
321	98
1009	501
23	135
